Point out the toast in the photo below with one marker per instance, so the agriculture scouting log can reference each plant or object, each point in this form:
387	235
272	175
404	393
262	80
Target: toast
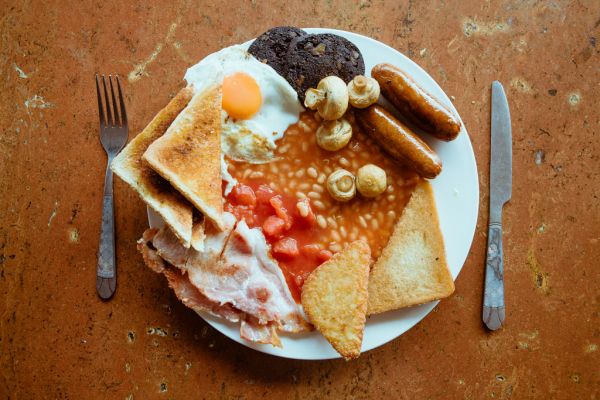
412	268
188	155
174	209
334	298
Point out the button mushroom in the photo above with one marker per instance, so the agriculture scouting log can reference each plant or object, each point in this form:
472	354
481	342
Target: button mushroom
371	180
363	91
334	135
330	98
340	185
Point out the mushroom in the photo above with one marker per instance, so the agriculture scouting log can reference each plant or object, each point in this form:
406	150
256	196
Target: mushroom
330	98
340	185
334	135
363	91
371	180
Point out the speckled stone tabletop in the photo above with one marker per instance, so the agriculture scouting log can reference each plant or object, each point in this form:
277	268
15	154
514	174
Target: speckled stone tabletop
58	341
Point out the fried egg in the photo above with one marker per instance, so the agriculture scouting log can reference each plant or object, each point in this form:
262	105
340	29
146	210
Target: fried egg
258	103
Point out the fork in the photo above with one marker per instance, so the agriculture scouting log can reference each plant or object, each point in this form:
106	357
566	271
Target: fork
113	136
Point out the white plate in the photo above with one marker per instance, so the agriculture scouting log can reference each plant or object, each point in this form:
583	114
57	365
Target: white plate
456	193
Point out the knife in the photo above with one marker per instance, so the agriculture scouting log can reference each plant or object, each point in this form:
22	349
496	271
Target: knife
500	192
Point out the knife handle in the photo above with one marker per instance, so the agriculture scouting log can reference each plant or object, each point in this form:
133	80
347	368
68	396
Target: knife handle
493	297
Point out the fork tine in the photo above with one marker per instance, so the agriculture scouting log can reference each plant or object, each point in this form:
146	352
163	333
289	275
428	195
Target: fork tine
123	112
114	101
109	118
100	108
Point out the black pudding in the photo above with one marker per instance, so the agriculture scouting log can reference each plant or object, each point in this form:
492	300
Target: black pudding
272	46
313	57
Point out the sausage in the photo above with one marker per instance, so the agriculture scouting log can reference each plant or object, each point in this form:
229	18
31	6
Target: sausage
399	141
420	107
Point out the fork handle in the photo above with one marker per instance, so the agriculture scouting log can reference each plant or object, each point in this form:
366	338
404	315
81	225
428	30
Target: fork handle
106	273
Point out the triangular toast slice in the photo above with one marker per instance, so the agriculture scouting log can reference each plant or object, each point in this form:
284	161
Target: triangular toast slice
174	209
412	268
334	297
188	155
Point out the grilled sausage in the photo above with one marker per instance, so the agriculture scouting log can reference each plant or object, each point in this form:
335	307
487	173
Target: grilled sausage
420	107
399	141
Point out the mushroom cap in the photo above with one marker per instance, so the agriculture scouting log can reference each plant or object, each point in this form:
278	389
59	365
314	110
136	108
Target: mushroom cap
363	91
371	180
330	98
341	185
334	135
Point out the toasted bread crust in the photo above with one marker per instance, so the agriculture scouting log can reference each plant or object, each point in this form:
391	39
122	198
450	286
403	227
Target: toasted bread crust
188	155
334	298
412	268
175	210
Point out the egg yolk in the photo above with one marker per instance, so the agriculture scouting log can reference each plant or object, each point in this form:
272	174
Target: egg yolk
241	95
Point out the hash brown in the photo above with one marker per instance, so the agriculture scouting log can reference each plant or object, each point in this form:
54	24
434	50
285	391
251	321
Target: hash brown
334	298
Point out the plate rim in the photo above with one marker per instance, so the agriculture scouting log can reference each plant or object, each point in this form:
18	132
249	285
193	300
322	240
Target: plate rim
422	310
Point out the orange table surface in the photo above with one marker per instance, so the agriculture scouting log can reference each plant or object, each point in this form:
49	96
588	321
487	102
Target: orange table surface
58	341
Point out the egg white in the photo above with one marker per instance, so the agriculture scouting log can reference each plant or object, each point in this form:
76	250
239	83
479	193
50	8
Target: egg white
254	139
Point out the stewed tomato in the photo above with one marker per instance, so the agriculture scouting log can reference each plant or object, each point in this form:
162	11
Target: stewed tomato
288	224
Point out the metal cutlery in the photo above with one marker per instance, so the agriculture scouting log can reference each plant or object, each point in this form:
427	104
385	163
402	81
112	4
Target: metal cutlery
500	192
113	136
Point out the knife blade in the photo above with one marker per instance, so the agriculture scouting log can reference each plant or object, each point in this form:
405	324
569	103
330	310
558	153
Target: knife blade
500	192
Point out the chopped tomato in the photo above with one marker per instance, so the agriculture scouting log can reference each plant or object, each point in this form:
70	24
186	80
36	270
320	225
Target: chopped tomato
279	214
324	255
299	280
305	212
311	250
316	252
273	226
286	248
243	195
264	194
281	211
241	213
